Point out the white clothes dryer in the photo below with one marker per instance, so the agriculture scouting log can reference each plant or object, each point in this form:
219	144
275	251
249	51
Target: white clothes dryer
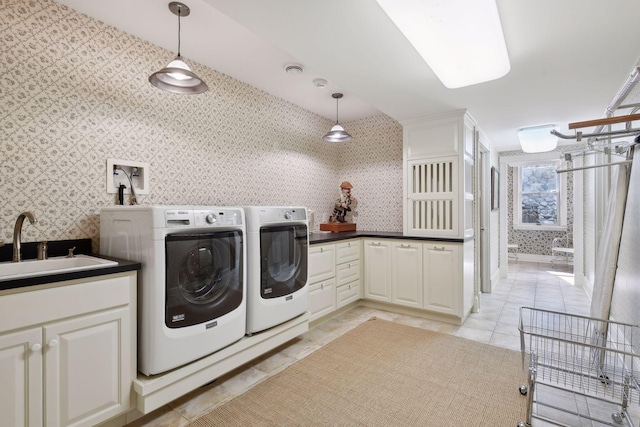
192	286
277	253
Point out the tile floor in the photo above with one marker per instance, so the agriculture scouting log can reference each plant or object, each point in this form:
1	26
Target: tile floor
528	284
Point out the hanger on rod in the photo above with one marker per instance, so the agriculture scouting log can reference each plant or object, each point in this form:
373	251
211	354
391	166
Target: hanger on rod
611	149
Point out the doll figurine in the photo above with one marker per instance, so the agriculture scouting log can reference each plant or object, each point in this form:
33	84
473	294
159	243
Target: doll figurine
344	204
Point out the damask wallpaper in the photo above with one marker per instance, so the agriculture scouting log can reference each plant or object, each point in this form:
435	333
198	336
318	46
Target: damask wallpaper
74	92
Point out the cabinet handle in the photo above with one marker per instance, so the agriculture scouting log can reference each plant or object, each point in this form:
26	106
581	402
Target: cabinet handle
322	286
438	249
53	343
349	265
349	244
35	347
321	249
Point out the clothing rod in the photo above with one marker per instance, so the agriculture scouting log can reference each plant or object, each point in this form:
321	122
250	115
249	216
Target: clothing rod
593	166
605	121
581	135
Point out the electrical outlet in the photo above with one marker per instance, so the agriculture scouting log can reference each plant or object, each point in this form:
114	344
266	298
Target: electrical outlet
120	171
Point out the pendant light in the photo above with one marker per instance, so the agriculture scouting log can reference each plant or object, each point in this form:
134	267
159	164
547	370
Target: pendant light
337	132
177	77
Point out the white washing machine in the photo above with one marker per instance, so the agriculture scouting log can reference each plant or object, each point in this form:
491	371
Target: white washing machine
277	252
192	286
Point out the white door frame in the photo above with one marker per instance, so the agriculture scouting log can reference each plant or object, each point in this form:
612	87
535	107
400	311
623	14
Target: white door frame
578	209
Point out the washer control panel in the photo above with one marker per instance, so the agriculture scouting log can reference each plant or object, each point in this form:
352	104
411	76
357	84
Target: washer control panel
204	217
217	217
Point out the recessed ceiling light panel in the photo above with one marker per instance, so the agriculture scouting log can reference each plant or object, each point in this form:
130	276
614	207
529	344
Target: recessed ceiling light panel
537	139
461	40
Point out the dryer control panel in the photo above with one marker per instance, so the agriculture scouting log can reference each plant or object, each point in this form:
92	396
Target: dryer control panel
268	215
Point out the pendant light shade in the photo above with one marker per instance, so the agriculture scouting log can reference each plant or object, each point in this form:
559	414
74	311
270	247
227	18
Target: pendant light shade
177	77
337	132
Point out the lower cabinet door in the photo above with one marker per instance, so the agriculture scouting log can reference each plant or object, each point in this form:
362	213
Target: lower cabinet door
377	271
407	274
88	374
442	287
322	298
21	378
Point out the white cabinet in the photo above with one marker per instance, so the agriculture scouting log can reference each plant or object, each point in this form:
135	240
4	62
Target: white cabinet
431	276
377	270
322	298
335	272
21	378
321	280
348	272
406	267
437	175
67	352
442	284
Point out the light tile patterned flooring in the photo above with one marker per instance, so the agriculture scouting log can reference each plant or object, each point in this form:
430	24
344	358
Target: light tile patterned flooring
528	284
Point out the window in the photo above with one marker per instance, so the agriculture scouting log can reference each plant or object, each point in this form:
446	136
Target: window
539	199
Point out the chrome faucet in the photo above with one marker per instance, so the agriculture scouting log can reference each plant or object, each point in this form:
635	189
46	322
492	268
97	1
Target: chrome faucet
17	234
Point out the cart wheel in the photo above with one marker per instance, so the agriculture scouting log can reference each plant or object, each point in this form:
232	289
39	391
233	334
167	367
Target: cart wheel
617	417
523	389
604	379
523	424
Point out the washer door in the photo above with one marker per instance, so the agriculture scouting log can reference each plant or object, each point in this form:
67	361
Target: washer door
203	276
283	251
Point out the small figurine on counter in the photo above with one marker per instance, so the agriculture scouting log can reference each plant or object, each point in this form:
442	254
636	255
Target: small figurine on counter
344	204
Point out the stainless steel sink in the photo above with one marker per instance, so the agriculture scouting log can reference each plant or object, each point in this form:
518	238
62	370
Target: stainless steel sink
32	268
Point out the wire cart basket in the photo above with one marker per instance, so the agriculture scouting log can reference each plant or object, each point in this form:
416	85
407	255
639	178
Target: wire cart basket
579	368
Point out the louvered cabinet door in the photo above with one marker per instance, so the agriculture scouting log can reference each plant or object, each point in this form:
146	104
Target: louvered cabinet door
433	197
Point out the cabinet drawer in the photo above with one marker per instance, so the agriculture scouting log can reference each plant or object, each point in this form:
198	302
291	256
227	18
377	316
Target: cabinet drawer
322	263
348	293
44	305
347	251
347	272
322	298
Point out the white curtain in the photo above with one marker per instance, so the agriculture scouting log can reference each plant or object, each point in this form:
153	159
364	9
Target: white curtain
607	255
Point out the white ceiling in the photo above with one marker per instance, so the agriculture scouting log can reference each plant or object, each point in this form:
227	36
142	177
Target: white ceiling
568	57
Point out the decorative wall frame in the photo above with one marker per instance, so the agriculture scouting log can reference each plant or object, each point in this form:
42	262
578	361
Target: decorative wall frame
495	188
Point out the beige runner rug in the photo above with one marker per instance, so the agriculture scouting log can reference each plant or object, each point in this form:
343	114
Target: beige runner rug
386	374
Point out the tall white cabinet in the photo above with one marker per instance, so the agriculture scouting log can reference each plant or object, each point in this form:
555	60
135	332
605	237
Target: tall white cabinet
438	178
438	175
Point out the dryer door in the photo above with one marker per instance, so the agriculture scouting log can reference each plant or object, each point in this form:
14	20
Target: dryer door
204	277
283	262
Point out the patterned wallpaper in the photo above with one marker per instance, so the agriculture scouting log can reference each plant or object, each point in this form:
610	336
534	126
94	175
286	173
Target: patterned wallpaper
74	92
535	242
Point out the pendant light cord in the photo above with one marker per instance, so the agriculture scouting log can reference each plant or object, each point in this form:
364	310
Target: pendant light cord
337	111
179	13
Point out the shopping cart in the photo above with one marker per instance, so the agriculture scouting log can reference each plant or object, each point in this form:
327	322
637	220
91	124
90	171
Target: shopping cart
586	367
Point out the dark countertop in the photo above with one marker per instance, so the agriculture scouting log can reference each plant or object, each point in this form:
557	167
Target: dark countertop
61	248
123	266
322	237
